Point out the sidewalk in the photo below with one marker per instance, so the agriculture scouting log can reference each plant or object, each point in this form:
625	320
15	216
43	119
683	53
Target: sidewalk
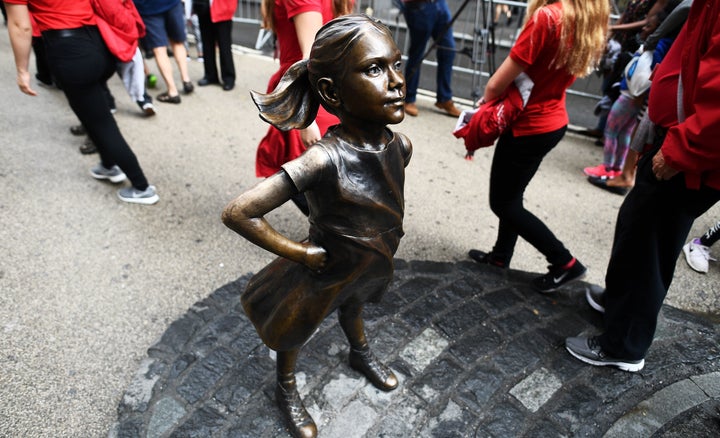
90	283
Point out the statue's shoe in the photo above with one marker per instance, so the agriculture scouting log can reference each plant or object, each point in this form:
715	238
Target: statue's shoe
376	372
298	419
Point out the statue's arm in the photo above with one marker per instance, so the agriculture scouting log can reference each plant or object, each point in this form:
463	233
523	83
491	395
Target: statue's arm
245	215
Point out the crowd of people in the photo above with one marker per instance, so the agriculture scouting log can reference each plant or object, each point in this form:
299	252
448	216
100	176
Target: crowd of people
671	177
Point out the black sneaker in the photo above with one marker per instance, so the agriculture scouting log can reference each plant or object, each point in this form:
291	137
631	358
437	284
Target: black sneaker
558	277
589	351
486	258
595	296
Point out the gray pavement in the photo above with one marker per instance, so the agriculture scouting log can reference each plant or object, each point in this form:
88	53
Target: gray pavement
95	292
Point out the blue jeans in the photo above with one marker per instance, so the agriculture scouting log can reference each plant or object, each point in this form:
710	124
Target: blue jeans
425	20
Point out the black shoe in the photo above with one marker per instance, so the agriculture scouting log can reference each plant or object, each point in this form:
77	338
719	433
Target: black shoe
88	147
188	87
205	81
78	130
595	296
376	372
166	98
589	351
558	277
227	86
486	258
601	182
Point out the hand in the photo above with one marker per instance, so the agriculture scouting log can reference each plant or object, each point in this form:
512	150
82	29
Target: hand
310	135
315	257
23	81
661	169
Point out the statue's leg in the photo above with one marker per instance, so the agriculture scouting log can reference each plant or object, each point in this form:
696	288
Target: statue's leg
361	358
288	399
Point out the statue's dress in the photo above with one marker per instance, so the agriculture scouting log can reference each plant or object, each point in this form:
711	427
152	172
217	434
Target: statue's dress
356	205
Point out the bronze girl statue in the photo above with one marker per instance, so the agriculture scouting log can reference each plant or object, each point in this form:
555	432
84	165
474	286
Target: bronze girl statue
353	179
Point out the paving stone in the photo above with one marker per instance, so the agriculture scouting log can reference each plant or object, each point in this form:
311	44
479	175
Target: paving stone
424	349
461	319
536	389
203	423
165	416
477	353
709	383
481	341
661	407
479	386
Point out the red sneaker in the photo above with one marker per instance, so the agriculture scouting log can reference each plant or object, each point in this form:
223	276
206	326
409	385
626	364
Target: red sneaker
600	171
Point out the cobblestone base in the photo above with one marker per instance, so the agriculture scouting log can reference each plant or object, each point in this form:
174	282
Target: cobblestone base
477	352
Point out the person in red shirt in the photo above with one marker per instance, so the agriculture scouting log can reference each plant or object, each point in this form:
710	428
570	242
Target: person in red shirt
81	63
295	23
560	41
677	181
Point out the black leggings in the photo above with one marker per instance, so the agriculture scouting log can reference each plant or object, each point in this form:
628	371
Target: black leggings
81	63
515	162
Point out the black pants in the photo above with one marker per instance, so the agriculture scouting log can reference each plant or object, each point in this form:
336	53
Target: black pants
652	226
213	34
515	162
81	63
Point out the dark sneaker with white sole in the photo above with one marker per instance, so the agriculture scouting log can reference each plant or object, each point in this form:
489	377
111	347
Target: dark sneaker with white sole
148	196
558	277
595	296
589	351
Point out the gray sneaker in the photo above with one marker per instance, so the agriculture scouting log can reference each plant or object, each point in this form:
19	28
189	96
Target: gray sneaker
588	350
148	196
114	174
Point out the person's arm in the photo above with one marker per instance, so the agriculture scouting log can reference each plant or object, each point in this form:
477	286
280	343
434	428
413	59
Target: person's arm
671	25
245	215
20	31
692	144
502	78
307	25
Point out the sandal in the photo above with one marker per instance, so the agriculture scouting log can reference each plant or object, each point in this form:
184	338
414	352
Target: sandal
188	87
166	98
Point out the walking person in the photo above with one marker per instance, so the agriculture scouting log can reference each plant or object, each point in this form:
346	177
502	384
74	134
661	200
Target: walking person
295	24
677	180
165	26
560	41
81	63
426	19
215	19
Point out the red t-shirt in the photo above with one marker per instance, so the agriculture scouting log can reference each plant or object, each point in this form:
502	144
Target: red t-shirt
691	147
279	147
535	49
59	14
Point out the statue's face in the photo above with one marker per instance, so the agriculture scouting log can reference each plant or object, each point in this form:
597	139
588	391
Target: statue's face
372	88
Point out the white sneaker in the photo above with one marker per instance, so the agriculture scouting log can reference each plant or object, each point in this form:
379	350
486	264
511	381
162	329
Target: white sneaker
148	196
697	255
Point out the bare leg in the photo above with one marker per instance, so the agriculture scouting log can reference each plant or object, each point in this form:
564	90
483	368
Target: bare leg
361	358
180	54
627	177
163	63
288	399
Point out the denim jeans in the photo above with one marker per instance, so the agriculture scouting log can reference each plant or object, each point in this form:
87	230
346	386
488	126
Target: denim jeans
425	20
